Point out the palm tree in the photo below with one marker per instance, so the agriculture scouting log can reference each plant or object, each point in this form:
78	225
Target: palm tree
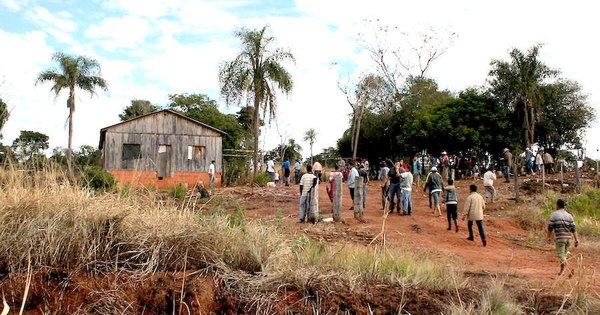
254	75
73	72
310	135
518	84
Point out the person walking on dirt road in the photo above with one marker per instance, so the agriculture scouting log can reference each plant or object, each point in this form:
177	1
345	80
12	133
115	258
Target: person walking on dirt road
385	183
307	182
395	190
435	185
488	184
562	225
508	161
351	181
473	211
451	202
406	187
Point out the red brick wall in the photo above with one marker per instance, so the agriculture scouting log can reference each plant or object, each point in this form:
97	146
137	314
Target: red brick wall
149	178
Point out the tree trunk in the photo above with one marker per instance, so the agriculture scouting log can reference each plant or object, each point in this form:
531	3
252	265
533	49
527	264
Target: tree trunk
70	141
357	134
311	154
255	125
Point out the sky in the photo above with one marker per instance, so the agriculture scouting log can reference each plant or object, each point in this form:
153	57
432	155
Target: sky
149	49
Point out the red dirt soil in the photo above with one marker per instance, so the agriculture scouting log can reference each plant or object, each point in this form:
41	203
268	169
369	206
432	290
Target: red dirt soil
508	251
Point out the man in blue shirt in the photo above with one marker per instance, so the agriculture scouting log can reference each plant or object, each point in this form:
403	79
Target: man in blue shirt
286	171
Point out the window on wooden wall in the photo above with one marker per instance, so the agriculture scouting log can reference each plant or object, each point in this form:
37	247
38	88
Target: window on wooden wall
195	152
131	152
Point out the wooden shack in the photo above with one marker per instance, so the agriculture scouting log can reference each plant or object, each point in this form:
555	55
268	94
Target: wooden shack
161	150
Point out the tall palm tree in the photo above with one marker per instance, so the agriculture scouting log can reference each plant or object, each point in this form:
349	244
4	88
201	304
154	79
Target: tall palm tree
311	136
73	72
254	75
518	84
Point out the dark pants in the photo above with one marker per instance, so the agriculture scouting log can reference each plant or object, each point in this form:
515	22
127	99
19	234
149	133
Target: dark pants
297	176
452	214
479	227
397	191
352	194
286	174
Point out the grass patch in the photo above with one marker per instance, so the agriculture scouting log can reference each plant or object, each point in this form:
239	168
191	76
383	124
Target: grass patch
584	208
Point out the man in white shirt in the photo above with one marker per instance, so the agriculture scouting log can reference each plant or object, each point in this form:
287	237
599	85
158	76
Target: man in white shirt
307	183
211	173
488	183
271	170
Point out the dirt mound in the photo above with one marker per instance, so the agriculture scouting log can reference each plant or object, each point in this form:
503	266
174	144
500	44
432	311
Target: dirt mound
58	292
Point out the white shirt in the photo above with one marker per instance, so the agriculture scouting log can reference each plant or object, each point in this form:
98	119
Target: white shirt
270	166
211	169
489	178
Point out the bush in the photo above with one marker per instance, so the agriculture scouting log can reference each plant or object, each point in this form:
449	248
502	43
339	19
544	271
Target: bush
261	179
99	179
178	192
583	207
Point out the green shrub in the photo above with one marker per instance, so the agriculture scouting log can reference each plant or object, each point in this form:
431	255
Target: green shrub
178	192
98	179
261	179
584	208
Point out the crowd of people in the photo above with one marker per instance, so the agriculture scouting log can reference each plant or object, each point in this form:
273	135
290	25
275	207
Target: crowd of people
397	181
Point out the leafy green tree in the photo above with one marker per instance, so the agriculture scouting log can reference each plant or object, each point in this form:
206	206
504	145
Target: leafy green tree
137	108
73	73
473	122
3	115
517	84
311	136
255	75
30	146
329	156
566	114
200	107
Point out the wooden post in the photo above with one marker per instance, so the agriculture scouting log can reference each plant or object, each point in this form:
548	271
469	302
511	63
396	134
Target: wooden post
516	170
358	197
313	212
337	198
562	184
543	179
577	182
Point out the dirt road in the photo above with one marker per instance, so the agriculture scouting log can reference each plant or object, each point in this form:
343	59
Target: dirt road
509	251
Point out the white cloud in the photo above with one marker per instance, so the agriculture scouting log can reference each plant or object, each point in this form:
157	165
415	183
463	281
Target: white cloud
160	47
58	20
120	32
14	5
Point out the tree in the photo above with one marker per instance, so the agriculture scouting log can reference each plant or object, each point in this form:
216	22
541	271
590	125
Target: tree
517	84
3	115
566	114
370	92
204	109
255	75
72	73
30	146
137	108
310	135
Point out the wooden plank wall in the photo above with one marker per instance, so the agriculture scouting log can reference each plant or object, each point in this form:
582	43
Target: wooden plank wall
149	152
162	129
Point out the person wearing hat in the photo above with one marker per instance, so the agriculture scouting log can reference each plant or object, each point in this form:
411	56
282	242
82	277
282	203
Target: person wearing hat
508	160
435	185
